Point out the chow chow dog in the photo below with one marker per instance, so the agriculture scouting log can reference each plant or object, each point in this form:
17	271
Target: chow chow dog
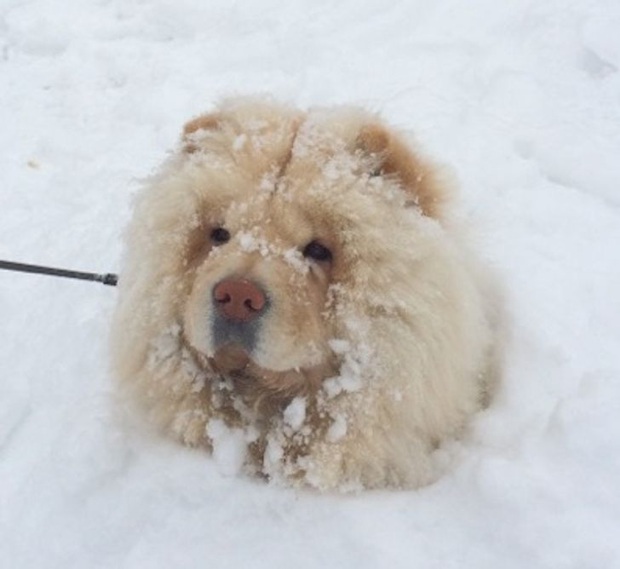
298	281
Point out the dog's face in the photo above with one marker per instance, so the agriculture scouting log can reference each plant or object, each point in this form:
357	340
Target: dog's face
257	305
289	212
296	276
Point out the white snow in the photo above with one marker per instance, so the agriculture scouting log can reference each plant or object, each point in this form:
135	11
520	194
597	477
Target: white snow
522	98
337	429
354	359
295	413
229	447
296	260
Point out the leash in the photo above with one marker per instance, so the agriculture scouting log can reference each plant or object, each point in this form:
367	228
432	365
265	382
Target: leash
106	278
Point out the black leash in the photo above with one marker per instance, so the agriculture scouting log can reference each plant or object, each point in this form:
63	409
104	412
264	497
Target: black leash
107	278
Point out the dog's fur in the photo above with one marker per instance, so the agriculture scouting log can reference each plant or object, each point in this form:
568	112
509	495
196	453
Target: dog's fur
363	364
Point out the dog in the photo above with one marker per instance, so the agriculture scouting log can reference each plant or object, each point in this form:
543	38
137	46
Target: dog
300	280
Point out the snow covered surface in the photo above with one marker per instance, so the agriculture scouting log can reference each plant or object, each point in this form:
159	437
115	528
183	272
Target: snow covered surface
522	97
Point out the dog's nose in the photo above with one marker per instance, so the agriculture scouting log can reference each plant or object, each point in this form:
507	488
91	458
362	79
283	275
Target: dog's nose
239	299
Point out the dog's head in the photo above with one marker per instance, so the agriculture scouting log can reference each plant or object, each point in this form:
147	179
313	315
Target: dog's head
270	236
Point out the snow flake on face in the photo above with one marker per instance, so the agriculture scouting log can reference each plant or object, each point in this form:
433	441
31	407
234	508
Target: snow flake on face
250	242
340	347
338	429
165	347
247	242
296	260
295	413
356	363
343	383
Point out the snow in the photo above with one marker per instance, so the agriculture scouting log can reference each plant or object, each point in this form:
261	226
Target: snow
522	98
229	447
337	429
295	413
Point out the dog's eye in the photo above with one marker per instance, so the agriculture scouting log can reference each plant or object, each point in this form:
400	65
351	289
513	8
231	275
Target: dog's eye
219	236
314	250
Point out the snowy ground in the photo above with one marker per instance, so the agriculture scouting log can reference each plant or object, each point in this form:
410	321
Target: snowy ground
522	97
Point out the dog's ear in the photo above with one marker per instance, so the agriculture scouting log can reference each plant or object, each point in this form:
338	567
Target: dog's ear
419	179
191	130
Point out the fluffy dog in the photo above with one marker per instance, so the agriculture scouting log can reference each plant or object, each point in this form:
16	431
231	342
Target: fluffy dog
298	279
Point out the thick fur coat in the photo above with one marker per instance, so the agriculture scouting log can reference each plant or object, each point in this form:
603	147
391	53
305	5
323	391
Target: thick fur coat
362	336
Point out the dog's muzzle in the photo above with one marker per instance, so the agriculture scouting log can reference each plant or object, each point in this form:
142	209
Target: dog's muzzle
239	305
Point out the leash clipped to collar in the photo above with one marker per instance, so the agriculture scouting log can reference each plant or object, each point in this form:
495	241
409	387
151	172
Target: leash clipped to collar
107	278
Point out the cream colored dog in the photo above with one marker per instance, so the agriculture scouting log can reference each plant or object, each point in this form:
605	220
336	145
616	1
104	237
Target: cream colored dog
296	280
